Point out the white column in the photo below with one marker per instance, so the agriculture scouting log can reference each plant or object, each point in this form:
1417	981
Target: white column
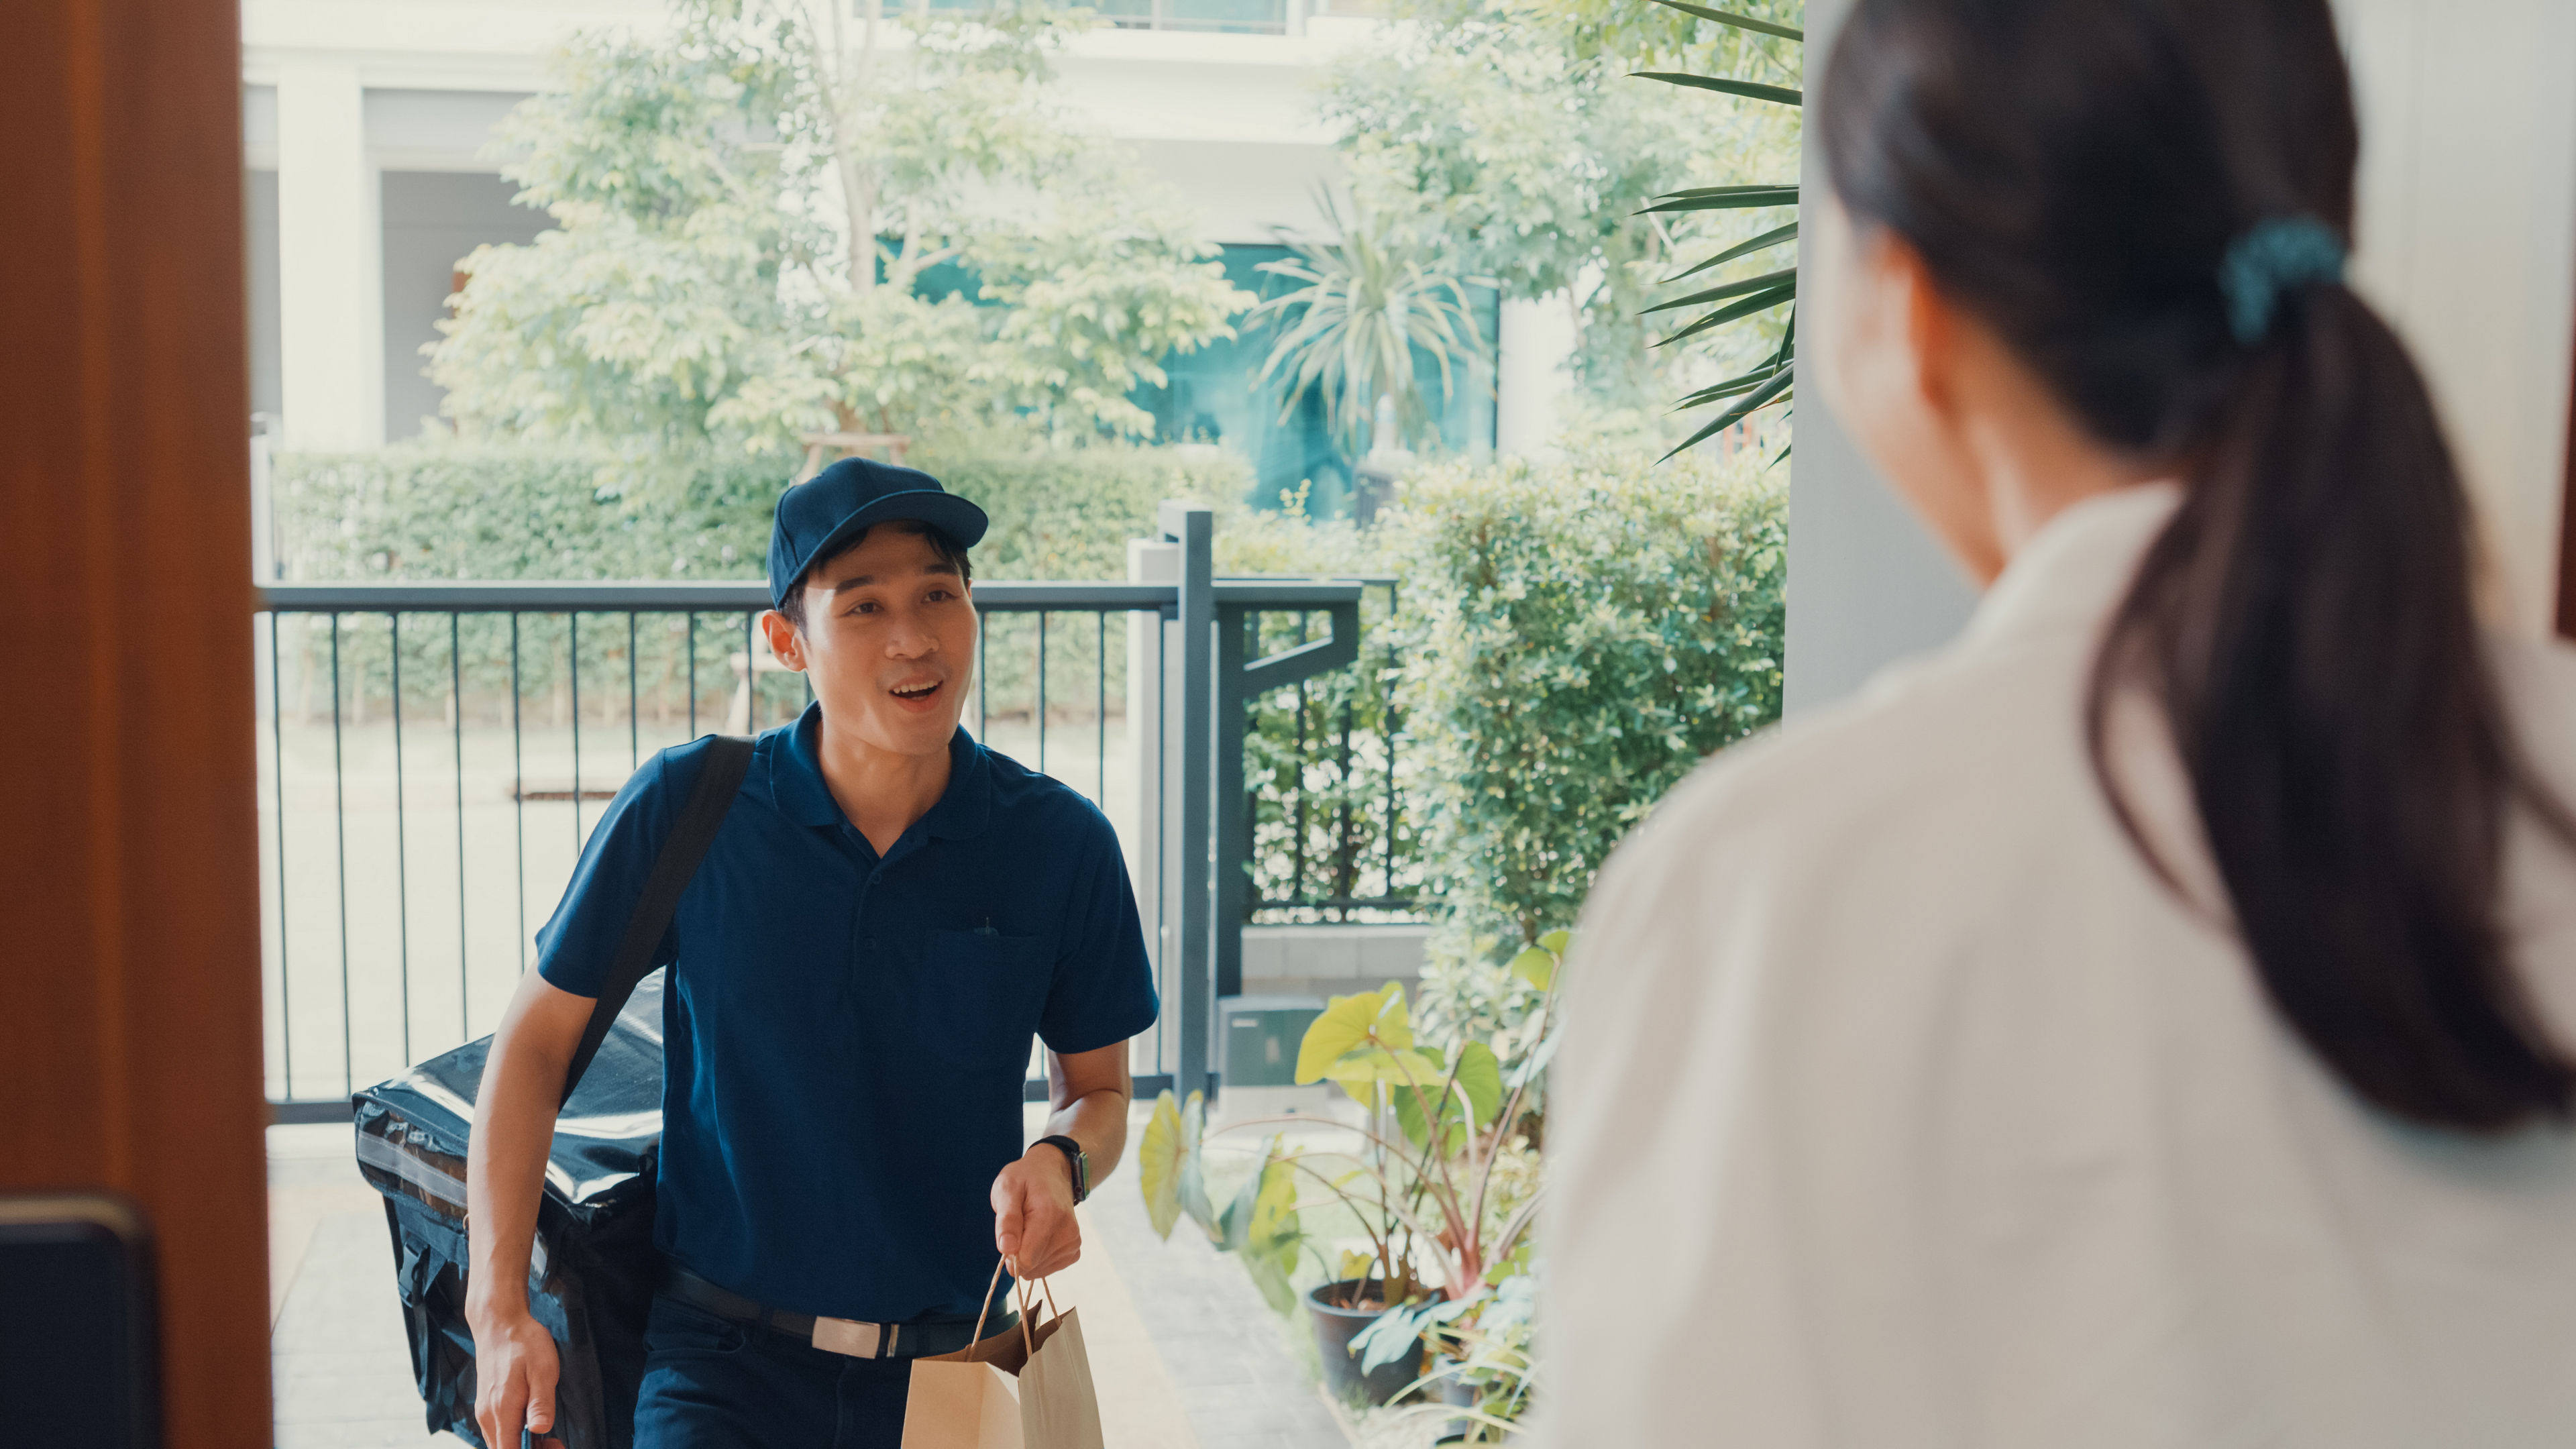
1867	583
1153	717
2468	243
330	247
1530	375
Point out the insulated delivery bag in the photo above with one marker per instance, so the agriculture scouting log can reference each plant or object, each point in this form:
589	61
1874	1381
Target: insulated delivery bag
593	1272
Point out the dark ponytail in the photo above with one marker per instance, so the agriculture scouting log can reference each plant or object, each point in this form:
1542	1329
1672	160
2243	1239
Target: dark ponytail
2076	172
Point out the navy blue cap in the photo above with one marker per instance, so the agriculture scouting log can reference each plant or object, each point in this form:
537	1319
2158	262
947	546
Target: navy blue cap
820	516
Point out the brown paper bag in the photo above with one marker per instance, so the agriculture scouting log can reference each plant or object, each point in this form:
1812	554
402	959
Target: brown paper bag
1028	1387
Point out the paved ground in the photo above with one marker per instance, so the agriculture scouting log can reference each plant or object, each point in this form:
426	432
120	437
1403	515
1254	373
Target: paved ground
1185	1353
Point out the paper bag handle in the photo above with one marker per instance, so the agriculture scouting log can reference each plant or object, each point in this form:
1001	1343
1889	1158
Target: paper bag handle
1028	1304
998	1265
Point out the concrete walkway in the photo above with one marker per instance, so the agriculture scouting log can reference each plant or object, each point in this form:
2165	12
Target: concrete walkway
1183	1351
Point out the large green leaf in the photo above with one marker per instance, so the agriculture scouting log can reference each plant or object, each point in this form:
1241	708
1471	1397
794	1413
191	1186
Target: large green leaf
1480	1076
1158	1165
1740	22
1261	1226
1398	1071
1750	90
1537	966
1193	1190
1351	1023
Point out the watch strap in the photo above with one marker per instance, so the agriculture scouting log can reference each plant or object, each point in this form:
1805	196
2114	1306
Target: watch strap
1078	1159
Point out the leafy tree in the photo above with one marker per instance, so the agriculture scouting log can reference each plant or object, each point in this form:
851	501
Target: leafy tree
770	225
1507	132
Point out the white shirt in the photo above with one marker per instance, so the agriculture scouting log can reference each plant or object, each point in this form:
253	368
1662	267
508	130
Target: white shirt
1901	1105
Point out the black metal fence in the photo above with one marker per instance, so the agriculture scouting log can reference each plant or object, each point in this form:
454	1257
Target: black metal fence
435	754
1329	836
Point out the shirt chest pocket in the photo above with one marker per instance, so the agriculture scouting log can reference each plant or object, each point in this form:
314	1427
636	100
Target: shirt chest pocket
979	998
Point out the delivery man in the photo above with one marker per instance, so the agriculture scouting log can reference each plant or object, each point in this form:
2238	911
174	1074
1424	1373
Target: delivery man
889	913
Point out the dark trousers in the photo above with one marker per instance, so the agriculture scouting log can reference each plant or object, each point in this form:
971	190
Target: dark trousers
712	1384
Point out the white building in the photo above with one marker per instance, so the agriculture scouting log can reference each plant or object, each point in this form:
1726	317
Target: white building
366	124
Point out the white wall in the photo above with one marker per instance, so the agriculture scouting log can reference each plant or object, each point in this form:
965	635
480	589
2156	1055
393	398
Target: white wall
2468	243
1866	583
432	219
1245	191
2468	240
331	299
1537	343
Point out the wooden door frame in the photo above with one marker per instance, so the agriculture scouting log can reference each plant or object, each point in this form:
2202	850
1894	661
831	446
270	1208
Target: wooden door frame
130	1017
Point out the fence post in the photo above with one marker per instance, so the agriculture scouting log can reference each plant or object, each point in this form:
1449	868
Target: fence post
1194	529
1233	806
1150	639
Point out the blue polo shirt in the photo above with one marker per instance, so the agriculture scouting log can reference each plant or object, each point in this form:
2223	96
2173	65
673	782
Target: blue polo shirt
846	1035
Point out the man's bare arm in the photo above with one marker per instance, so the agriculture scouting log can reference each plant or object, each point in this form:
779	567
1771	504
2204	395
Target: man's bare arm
1033	1198
505	1167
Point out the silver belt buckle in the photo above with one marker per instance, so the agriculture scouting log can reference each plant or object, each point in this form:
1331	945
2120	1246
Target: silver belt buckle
848	1336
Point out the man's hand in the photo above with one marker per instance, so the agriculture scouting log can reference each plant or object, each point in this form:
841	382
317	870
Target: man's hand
1033	1221
514	1379
505	1176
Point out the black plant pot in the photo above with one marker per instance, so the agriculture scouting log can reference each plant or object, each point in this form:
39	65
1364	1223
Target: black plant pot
1340	1310
1458	1394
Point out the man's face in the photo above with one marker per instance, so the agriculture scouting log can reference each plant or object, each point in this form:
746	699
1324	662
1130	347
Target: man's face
888	641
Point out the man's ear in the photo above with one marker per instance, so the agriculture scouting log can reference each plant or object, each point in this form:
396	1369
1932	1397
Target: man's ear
785	640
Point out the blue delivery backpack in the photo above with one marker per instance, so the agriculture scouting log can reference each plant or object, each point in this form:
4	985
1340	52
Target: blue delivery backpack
593	1271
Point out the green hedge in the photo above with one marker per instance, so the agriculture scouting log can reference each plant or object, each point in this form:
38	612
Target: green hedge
453	510
1576	636
441	509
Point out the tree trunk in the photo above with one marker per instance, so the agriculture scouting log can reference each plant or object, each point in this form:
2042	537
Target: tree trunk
845	82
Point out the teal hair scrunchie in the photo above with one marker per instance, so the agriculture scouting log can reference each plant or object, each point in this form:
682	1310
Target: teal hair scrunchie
2269	258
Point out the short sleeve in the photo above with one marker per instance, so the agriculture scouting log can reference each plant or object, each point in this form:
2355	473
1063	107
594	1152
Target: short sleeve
1103	988
576	945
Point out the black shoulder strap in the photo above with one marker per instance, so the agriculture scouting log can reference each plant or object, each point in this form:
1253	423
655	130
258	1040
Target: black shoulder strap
728	757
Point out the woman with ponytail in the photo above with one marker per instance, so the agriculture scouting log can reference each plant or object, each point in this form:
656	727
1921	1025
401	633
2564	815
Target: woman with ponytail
2150	1021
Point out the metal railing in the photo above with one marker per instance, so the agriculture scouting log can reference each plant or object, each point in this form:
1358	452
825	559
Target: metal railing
1329	839
435	754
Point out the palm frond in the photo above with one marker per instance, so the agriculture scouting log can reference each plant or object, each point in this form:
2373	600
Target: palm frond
1740	22
1750	90
1773	381
1366	304
1771	238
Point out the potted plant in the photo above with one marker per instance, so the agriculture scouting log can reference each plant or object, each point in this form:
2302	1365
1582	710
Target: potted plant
1440	1176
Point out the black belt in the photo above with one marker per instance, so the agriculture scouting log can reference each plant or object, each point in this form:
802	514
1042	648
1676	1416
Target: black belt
850	1336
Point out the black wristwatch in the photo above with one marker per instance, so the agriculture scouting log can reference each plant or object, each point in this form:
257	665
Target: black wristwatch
1081	1161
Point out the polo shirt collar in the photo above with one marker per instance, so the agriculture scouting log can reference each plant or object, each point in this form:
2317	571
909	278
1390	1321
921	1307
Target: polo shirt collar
796	783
